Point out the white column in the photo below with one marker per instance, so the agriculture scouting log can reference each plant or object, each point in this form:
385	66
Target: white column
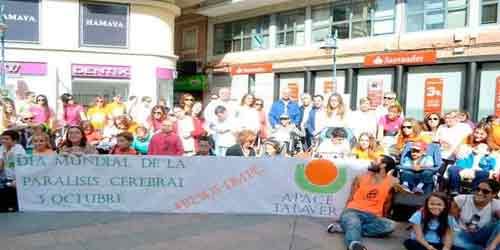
400	17
273	28
308	26
474	14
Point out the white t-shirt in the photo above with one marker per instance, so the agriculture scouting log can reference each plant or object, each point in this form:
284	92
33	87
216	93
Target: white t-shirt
227	138
454	136
469	211
9	158
329	150
209	112
323	121
361	122
247	118
184	129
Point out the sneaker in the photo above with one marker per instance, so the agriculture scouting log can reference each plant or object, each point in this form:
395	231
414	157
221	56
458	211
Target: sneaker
334	228
418	190
357	246
405	187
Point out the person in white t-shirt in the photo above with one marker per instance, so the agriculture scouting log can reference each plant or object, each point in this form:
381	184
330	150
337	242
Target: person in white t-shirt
478	227
246	116
224	100
363	120
451	134
223	131
9	150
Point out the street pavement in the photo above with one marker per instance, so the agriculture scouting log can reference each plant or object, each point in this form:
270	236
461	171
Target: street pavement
118	231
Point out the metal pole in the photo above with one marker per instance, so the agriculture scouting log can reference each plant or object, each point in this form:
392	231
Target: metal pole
334	74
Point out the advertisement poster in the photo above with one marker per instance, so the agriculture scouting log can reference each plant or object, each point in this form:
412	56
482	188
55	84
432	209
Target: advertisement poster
433	95
294	91
375	92
497	97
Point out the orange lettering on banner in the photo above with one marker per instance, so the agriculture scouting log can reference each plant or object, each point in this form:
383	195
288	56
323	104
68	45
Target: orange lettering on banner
294	91
433	96
329	87
375	92
497	98
251	69
400	58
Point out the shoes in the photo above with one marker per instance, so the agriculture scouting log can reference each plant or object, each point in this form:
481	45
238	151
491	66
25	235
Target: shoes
418	190
405	187
357	246
334	228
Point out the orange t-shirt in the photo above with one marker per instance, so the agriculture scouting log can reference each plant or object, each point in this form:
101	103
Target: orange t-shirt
371	197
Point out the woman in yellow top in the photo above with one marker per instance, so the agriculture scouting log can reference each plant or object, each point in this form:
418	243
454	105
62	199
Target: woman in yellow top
367	148
410	131
97	114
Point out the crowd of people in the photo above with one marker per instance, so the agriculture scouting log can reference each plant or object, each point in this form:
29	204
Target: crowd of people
442	148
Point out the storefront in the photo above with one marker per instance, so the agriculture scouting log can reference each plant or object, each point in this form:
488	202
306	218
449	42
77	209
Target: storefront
97	48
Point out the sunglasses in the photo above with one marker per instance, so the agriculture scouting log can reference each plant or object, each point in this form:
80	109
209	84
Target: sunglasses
389	98
258	104
407	127
28	118
434	119
484	191
188	99
100	101
41	100
415	150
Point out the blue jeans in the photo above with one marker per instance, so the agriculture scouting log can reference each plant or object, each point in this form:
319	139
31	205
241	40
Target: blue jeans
454	178
357	224
478	240
414	178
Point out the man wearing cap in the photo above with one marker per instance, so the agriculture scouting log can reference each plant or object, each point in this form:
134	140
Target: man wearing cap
417	169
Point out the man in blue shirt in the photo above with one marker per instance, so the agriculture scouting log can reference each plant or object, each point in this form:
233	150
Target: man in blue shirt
284	106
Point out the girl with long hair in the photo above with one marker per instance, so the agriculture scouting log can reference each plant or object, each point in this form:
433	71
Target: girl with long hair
334	114
41	144
75	143
367	148
431	227
186	102
410	131
42	114
247	117
9	117
156	118
431	123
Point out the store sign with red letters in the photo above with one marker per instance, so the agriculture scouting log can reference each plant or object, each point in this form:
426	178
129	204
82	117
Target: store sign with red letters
433	95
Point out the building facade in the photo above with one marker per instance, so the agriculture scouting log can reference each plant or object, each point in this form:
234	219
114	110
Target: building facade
91	48
437	55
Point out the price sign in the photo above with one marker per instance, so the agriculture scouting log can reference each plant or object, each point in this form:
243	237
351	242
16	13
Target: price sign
433	96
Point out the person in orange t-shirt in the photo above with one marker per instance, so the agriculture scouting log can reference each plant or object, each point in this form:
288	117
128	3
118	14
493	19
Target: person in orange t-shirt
123	142
367	205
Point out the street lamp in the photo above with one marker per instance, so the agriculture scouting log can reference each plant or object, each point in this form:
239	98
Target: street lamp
3	30
331	44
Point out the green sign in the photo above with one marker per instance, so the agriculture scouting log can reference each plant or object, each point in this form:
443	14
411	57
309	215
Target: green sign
191	83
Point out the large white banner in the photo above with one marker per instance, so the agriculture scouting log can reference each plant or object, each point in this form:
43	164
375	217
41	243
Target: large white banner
281	186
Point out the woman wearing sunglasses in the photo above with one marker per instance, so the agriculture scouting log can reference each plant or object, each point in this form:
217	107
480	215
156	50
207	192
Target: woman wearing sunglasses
477	215
97	114
156	118
73	113
431	123
42	114
410	131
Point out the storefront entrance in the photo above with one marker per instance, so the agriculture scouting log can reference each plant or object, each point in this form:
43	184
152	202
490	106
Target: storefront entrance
85	91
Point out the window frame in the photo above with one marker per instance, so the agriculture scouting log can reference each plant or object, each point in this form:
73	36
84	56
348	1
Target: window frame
292	29
262	23
370	18
489	2
183	39
445	12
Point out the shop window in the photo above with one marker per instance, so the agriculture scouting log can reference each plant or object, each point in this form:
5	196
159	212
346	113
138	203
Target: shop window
291	28
489	11
353	19
190	39
104	24
242	35
23	20
436	14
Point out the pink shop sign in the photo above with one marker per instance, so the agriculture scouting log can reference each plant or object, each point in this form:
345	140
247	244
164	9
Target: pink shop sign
165	74
26	68
100	71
